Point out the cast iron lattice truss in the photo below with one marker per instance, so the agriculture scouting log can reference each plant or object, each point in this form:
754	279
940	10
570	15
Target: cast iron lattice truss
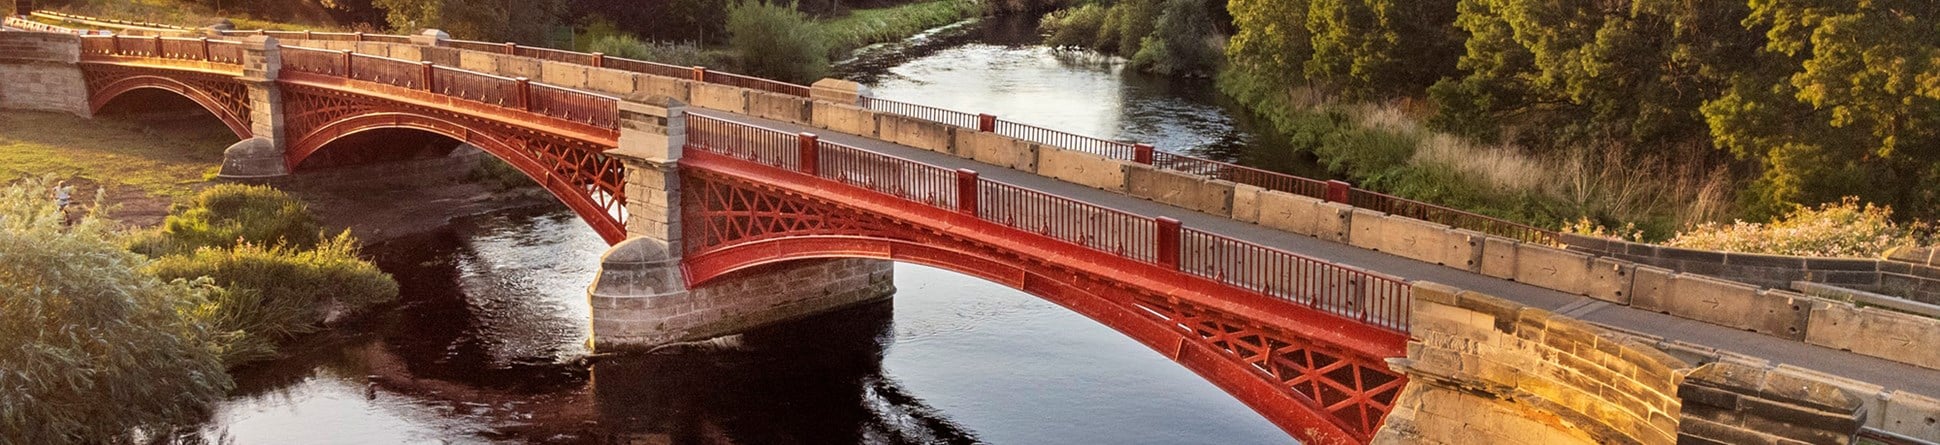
221	94
721	213
591	183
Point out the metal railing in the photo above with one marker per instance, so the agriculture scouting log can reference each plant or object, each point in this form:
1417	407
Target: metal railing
648	68
314	61
751	82
1451	217
476	87
1369	297
574	105
547	100
924	112
388	71
175	48
1068	141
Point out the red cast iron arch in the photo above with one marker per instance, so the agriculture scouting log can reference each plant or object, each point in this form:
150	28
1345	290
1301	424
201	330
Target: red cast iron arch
220	95
575	172
1321	378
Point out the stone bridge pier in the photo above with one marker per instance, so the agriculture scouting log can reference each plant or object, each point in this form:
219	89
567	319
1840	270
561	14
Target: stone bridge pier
642	299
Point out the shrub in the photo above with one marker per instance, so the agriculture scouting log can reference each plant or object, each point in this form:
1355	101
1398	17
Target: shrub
627	46
776	41
1844	229
228	214
90	348
1073	27
275	293
1180	44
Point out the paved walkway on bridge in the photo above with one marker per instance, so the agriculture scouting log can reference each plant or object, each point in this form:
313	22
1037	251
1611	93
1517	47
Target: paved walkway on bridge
1889	374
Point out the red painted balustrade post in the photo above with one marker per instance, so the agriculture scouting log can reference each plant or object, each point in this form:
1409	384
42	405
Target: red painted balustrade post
114	44
700	74
427	76
348	56
307	36
1167	250
986	123
512	48
599	60
359	36
205	48
1142	153
809	156
967	191
525	93
158	46
1337	191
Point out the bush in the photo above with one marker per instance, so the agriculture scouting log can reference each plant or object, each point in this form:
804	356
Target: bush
275	293
777	41
90	348
1845	229
228	214
627	46
1180	44
1073	27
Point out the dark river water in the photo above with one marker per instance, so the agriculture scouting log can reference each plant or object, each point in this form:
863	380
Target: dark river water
487	344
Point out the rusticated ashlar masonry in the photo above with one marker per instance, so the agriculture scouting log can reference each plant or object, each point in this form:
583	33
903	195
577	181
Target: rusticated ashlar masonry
40	71
641	298
1486	370
260	156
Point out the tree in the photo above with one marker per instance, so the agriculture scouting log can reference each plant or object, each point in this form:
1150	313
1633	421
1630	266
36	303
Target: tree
1626	72
1368	49
1180	44
1847	103
777	41
92	349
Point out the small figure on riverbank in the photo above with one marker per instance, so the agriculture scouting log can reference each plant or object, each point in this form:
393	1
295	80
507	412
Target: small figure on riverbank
63	196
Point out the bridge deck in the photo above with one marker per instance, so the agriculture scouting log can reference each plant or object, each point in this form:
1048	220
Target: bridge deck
1889	374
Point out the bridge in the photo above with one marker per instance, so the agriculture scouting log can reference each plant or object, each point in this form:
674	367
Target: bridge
735	201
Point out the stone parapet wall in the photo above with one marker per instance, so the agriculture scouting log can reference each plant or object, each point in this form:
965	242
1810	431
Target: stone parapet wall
39	71
1733	398
1486	370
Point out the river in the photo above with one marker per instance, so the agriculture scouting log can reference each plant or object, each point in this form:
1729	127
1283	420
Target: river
487	344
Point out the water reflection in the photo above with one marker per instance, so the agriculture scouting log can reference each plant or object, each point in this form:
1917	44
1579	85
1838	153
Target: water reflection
997	66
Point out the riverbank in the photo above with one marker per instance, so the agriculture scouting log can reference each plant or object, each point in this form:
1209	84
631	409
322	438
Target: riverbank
148	162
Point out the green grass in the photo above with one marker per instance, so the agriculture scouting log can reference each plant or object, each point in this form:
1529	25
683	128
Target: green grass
178	13
864	27
169	162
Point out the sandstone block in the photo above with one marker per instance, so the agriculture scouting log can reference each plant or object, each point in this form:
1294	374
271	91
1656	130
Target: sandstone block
1081	168
1563	271
848	119
1880	333
1179	189
719	97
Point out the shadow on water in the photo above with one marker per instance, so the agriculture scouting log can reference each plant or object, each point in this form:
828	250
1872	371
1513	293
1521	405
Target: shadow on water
818	380
456	360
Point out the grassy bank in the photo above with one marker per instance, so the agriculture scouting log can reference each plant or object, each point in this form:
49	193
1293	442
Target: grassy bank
1386	147
141	166
864	27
